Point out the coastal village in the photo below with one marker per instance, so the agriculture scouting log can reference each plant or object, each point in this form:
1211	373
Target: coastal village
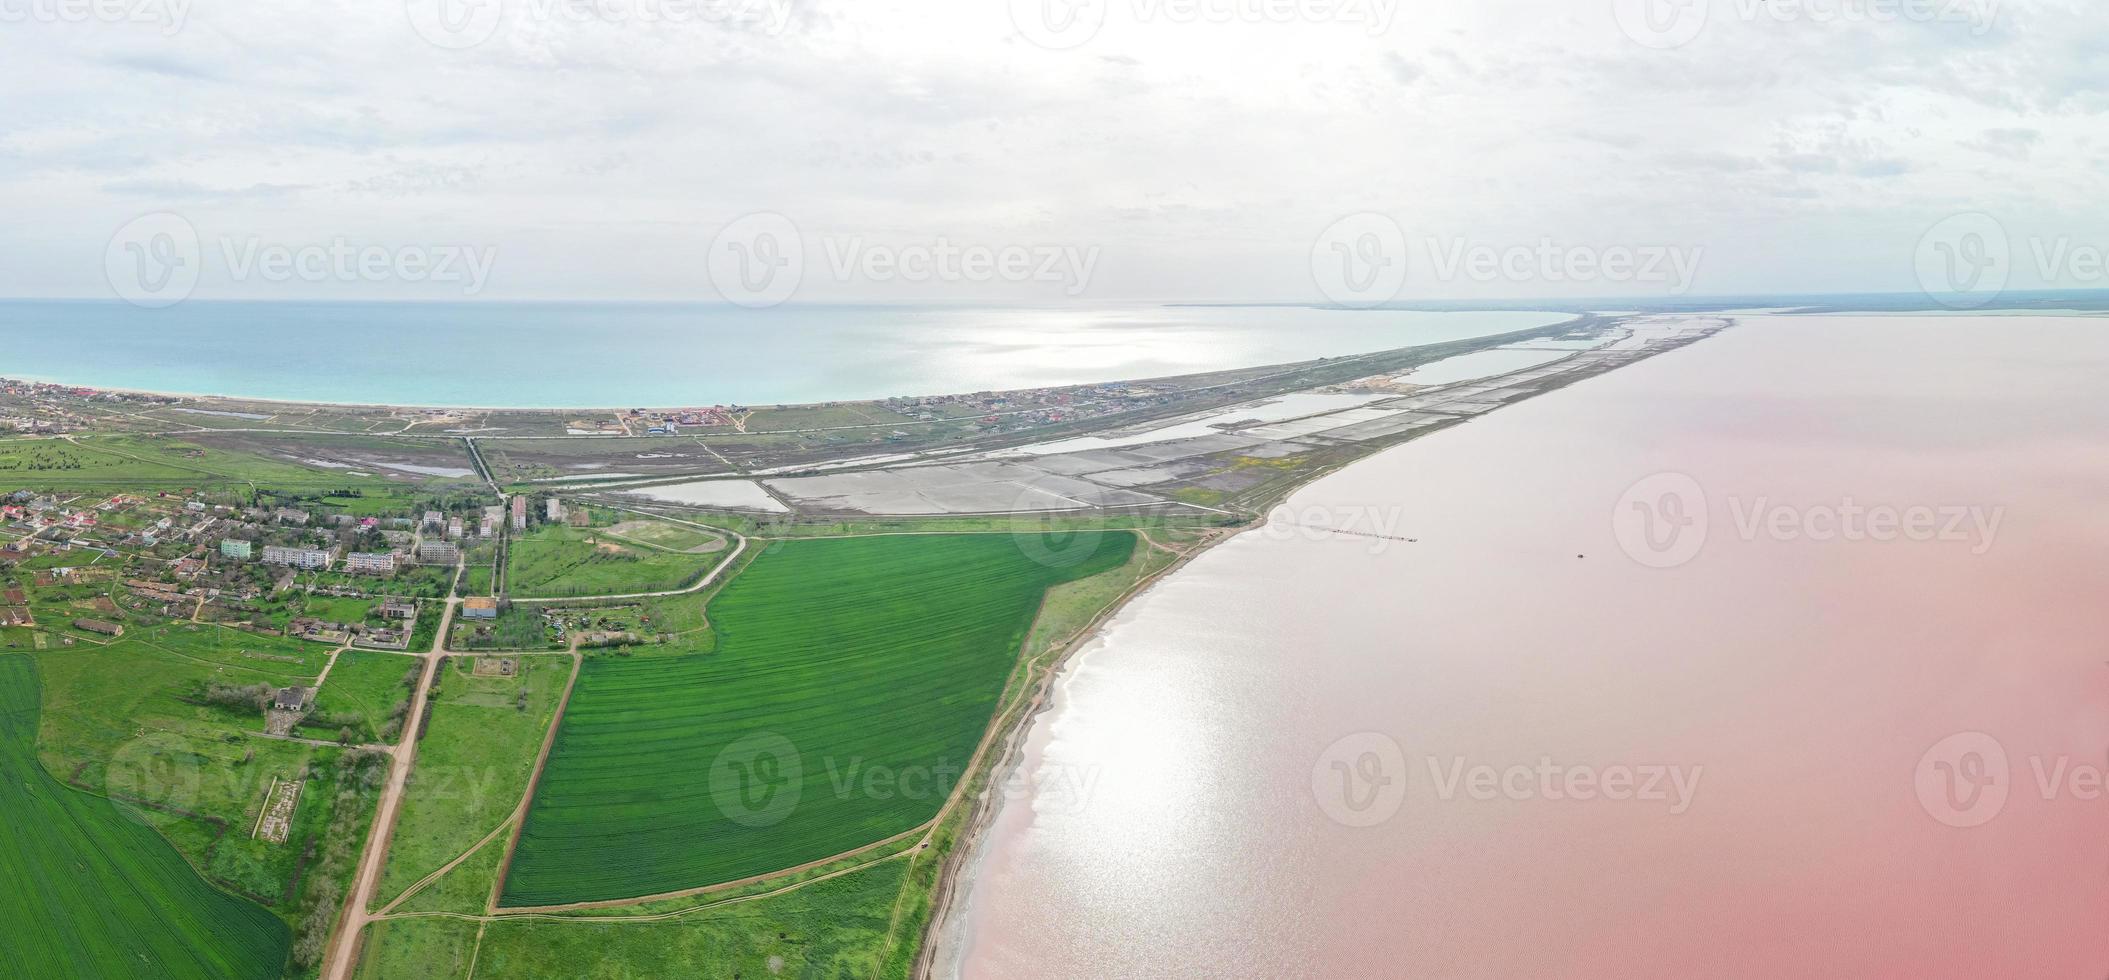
88	568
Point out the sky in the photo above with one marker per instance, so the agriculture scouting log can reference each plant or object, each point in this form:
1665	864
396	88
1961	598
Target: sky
1353	152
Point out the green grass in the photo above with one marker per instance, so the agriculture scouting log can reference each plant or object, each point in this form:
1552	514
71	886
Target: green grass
475	580
559	561
368	693
112	714
126	720
832	928
466	889
472	766
673	537
423	947
338	610
93	892
516	628
136	463
864	670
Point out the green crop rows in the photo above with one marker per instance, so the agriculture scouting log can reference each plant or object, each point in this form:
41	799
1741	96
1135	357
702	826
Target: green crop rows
851	682
97	893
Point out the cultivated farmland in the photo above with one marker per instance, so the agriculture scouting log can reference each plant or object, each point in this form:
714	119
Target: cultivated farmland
852	680
95	892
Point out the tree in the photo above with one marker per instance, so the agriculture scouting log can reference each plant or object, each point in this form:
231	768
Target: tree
345	736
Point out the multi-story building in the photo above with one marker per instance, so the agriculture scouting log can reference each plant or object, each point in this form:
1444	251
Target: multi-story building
519	512
555	510
437	553
434	521
454	528
236	548
370	562
296	557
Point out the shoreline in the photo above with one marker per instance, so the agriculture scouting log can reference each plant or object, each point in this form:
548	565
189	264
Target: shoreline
287	405
944	938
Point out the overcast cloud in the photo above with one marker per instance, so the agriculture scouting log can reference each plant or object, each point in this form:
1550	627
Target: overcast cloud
1181	150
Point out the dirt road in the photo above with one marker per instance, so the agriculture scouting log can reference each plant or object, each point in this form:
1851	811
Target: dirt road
343	952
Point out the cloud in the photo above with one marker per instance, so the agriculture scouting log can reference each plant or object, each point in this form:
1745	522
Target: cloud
2013	143
1201	155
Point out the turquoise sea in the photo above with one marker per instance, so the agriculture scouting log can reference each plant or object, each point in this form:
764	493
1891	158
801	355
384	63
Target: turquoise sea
663	354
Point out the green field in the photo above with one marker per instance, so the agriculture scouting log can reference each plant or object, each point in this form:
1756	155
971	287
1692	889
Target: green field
559	561
472	767
109	463
832	928
367	694
851	682
92	891
135	720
